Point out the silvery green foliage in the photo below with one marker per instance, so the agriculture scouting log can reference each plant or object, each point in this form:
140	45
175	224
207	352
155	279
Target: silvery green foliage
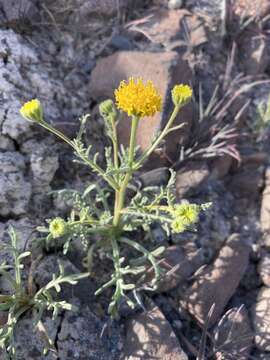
21	298
113	207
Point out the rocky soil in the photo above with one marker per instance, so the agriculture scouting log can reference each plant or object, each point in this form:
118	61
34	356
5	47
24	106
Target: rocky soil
214	301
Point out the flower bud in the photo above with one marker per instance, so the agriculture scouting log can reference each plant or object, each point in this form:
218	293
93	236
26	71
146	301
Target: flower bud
32	111
107	109
181	94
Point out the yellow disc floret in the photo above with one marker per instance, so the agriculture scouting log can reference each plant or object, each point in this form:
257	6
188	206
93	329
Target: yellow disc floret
184	216
138	99
189	213
181	94
32	110
58	227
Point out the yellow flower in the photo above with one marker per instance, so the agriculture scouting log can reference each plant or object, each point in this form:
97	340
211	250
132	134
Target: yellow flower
184	215
136	98
177	226
188	212
58	227
32	110
181	94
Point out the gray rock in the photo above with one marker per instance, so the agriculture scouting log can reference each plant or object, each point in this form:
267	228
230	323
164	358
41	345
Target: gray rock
6	144
25	230
15	189
44	163
259	355
12	10
121	42
29	342
81	337
84	290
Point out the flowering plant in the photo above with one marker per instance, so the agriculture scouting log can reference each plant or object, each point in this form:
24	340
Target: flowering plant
121	214
21	298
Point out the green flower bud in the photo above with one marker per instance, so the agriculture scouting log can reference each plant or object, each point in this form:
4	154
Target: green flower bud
107	109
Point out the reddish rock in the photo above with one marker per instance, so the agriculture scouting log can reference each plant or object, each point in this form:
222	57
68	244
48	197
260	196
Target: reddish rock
264	269
150	336
165	70
217	282
250	8
265	209
3	317
101	7
171	4
178	265
258	158
234	335
220	167
247	182
167	27
261	319
190	177
253	50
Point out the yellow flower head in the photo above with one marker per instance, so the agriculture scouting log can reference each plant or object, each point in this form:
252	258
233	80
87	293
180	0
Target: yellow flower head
178	226
32	110
181	94
183	216
189	213
58	227
136	98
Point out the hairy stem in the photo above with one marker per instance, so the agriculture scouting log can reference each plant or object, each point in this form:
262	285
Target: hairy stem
120	195
90	163
164	132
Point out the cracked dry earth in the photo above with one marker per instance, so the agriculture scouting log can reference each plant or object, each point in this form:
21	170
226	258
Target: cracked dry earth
72	54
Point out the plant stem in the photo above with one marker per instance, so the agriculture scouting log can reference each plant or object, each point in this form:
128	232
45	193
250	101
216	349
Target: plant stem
120	195
164	132
90	163
145	252
115	145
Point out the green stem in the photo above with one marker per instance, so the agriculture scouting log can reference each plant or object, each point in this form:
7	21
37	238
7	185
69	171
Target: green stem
164	132
90	163
115	145
120	195
145	252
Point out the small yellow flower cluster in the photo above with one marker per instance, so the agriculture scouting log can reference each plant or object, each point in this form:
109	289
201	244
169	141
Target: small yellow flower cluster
58	227
181	94
138	99
184	215
32	111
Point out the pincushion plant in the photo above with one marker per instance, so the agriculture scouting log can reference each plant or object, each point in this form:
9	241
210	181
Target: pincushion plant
113	222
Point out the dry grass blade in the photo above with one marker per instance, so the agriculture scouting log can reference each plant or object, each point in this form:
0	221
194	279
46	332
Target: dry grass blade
201	354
